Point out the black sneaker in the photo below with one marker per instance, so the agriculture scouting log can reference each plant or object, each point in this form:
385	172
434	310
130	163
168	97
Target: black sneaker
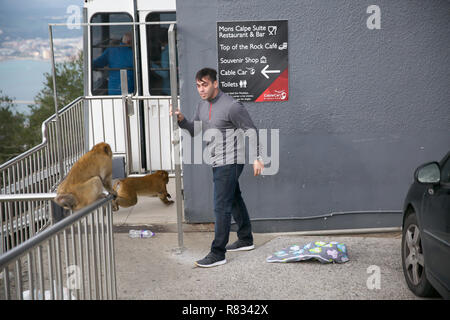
240	245
210	261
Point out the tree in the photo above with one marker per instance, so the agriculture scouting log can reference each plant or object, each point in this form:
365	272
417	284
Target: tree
19	132
12	130
69	86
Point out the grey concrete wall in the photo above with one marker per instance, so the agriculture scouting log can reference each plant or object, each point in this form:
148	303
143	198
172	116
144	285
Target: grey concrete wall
365	108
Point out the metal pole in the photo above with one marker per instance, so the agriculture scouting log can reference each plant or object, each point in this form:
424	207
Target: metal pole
55	98
176	135
127	112
97	24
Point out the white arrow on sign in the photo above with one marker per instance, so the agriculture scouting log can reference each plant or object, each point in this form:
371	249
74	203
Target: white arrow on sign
265	71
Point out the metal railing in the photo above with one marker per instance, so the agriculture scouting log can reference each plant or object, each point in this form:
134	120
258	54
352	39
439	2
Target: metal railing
109	122
31	255
37	170
106	121
22	216
73	259
159	133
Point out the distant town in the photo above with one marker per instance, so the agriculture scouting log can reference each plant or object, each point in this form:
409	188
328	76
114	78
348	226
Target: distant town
39	49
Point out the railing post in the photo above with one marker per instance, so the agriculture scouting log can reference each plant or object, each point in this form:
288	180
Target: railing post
176	133
127	112
55	98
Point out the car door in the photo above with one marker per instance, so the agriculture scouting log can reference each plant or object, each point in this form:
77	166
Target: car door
436	226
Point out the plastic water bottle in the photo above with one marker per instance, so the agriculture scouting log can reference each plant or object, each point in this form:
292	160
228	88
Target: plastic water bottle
140	234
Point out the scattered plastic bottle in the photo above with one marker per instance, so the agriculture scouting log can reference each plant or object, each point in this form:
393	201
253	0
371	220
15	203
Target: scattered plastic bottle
140	234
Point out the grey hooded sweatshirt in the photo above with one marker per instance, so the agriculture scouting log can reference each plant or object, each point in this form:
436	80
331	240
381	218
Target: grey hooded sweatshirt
220	120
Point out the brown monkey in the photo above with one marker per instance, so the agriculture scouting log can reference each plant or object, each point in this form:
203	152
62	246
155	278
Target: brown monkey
85	181
150	185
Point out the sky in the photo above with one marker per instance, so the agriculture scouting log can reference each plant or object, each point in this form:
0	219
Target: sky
29	19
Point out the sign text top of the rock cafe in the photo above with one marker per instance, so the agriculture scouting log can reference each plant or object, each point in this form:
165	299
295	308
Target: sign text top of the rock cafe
253	59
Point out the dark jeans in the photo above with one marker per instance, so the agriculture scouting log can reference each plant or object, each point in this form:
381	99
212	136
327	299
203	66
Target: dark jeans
228	201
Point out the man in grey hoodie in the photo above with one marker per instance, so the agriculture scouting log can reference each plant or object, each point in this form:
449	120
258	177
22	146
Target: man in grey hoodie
219	111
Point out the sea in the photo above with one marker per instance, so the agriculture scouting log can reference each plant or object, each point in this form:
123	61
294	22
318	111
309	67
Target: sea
21	80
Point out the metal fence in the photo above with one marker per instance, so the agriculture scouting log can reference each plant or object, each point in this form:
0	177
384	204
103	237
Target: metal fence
159	133
110	121
37	170
30	254
106	123
22	218
40	169
73	259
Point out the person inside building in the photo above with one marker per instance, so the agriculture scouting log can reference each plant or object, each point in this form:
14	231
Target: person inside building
117	58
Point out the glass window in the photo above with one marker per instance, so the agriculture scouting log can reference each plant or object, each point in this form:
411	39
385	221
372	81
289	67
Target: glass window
112	50
158	53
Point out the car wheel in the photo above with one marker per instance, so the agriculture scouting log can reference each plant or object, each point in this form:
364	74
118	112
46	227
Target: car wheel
413	260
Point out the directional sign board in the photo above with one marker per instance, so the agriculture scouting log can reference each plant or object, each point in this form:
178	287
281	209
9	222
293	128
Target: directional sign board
253	60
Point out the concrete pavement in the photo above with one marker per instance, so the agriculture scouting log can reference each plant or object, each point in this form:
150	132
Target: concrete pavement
152	269
149	210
